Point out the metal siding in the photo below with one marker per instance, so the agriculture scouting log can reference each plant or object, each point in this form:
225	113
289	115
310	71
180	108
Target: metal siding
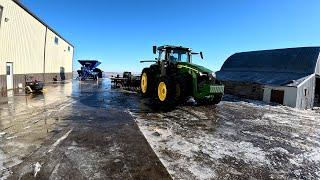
290	95
266	94
36	17
317	71
57	55
306	102
22	40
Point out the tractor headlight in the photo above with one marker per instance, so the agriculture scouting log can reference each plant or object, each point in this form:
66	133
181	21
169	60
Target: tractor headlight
203	74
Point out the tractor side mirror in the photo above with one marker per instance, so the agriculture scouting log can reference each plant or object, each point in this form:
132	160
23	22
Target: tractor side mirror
201	55
154	49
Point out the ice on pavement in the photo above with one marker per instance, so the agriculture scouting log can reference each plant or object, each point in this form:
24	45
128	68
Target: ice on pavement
59	141
37	168
235	139
6	162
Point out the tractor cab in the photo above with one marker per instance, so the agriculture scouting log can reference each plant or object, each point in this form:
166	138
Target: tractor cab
170	57
174	54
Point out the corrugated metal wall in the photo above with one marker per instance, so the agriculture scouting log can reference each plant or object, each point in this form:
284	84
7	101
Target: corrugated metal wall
58	55
317	71
290	94
22	41
305	93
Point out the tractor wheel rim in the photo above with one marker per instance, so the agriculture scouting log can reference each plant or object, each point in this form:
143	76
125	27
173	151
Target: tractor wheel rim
144	83
162	91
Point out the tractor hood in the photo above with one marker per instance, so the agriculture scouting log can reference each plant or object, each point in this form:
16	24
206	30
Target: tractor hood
194	67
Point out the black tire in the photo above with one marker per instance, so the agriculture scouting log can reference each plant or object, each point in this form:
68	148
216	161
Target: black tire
165	97
215	100
178	92
119	85
184	85
28	90
147	85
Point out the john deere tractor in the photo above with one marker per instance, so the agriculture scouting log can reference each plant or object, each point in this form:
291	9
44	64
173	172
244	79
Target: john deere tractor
173	78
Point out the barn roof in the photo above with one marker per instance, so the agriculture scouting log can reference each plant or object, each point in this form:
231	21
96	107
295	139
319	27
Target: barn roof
274	67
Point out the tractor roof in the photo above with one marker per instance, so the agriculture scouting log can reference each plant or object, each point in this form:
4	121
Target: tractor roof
174	47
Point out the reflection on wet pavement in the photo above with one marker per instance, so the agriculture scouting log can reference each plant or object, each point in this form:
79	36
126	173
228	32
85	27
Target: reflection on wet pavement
75	130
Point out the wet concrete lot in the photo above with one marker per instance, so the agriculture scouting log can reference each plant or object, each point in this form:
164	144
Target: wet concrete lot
86	130
76	130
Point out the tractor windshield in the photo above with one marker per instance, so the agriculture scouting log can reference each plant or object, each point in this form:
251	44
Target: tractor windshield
179	56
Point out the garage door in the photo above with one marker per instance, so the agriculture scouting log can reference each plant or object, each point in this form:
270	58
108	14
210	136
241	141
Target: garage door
277	96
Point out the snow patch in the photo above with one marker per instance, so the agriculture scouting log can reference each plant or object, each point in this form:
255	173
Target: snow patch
6	162
246	151
27	127
37	168
2	133
312	155
232	134
280	150
11	137
60	140
202	172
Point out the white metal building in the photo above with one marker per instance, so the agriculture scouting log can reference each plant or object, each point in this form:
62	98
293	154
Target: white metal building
30	48
286	76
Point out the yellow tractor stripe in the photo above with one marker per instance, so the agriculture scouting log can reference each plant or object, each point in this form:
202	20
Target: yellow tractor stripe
183	66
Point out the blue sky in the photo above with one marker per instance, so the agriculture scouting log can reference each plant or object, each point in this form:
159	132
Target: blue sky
120	33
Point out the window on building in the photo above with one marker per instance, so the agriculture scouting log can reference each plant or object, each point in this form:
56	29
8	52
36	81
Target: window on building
305	92
56	40
69	48
1	10
8	70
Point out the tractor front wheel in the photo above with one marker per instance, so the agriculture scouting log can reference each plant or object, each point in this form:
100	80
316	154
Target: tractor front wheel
215	100
146	84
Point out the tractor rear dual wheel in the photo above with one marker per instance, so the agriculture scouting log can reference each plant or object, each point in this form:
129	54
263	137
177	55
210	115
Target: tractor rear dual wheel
216	99
168	92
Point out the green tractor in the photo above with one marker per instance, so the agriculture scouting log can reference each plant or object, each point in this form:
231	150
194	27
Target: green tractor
173	78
